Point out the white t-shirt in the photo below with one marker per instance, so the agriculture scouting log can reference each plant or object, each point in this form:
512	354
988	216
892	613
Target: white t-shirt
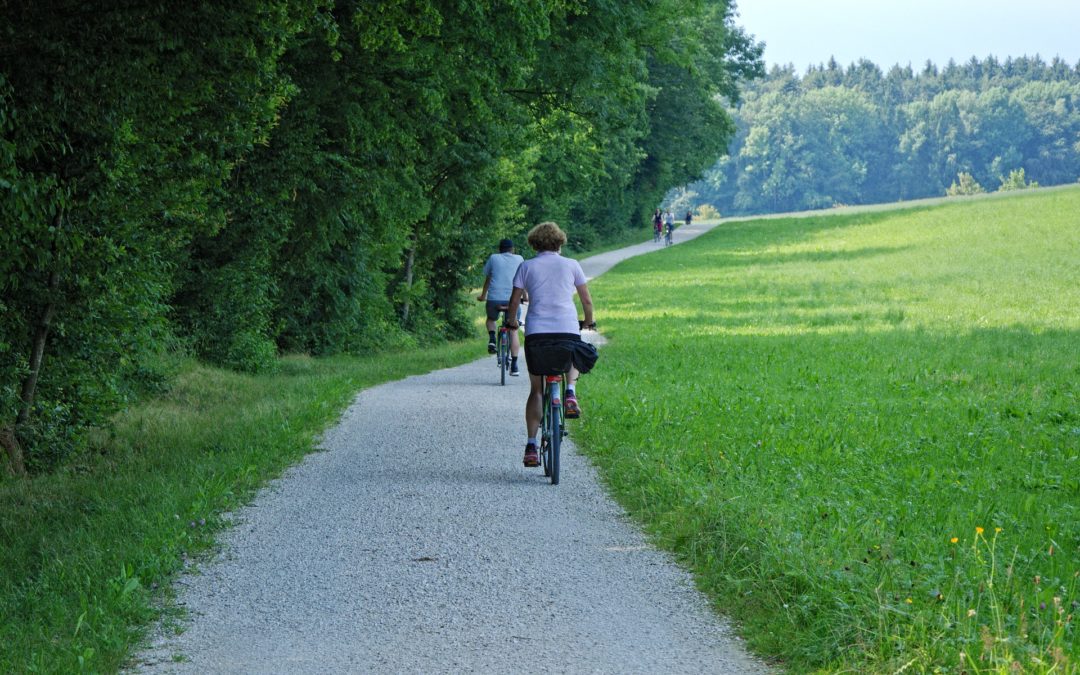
501	268
551	281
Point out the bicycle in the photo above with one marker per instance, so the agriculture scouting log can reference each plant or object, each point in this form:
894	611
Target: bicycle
502	348
552	425
553	421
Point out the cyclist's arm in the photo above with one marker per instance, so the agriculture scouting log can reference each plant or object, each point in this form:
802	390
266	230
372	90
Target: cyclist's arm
512	308
483	293
586	303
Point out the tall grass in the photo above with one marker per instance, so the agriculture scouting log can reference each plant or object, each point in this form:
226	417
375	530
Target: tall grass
861	431
87	551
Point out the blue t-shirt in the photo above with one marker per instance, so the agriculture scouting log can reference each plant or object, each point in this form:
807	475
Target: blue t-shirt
501	267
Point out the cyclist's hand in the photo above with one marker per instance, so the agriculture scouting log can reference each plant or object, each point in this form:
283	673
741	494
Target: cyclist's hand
590	326
512	326
481	298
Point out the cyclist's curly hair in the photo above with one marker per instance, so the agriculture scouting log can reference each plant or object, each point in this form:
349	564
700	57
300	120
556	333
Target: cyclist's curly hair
546	237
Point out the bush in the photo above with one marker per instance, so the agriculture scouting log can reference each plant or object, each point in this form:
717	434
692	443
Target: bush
967	186
1016	181
707	212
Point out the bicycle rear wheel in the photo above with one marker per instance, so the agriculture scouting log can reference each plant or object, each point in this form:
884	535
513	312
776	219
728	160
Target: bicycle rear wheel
504	356
545	431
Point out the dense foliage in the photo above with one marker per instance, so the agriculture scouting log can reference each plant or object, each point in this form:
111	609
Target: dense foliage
856	135
263	176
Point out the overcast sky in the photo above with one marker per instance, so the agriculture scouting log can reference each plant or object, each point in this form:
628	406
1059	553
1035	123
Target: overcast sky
887	32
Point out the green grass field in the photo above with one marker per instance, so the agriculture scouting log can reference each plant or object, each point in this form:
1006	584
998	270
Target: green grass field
861	431
88	552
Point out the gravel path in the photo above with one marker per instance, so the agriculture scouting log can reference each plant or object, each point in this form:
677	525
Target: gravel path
416	542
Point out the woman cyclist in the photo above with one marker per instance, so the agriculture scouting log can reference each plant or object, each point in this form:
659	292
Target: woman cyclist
552	333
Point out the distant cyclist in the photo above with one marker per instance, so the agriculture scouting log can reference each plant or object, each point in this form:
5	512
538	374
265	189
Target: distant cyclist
553	333
689	216
499	273
657	225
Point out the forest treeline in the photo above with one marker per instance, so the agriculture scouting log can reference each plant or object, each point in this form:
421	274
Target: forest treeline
255	177
855	135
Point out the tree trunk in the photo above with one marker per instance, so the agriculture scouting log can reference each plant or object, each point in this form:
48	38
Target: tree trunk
14	451
408	284
8	435
40	336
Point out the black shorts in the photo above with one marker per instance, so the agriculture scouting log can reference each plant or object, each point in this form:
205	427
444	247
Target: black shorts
542	358
494	309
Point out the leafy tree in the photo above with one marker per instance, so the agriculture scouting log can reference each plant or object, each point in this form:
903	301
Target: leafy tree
964	185
1016	181
121	121
318	176
979	117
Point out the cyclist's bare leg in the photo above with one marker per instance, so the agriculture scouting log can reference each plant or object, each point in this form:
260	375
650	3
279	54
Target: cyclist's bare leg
571	377
515	343
534	406
490	325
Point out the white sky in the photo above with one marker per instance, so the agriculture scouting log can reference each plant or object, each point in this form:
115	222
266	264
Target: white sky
805	32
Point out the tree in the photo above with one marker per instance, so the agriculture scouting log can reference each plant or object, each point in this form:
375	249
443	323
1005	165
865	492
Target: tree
121	119
966	186
1016	181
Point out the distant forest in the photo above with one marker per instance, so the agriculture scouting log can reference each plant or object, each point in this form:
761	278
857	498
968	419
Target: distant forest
856	135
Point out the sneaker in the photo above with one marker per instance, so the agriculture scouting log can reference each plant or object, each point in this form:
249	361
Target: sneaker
491	346
531	456
514	370
570	405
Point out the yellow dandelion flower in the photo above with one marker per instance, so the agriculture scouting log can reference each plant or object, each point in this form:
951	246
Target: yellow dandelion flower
978	530
997	529
908	601
954	539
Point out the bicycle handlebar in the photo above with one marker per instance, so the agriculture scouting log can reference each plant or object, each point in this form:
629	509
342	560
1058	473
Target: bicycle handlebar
581	324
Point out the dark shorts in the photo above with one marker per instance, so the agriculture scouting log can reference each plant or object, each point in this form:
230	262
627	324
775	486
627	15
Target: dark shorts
544	358
494	309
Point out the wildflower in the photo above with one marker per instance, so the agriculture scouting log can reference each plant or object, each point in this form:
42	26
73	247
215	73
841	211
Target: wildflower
978	530
971	612
1038	579
908	601
997	530
954	539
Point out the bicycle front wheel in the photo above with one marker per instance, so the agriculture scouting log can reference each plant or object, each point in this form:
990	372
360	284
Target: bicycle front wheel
555	414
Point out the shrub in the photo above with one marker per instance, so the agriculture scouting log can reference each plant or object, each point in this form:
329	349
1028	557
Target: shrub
1016	181
967	185
707	212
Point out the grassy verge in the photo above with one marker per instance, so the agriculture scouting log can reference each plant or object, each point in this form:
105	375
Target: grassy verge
861	431
86	550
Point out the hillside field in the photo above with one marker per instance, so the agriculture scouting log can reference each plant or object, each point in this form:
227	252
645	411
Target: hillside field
860	430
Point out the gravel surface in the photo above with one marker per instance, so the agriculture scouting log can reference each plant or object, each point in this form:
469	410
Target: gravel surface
416	542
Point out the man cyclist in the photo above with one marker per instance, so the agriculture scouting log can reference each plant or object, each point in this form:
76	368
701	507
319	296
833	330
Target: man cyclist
499	273
553	333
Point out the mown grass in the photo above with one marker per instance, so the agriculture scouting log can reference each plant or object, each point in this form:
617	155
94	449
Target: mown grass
861	431
88	552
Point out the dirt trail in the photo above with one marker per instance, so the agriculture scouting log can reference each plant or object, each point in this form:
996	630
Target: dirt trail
417	542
